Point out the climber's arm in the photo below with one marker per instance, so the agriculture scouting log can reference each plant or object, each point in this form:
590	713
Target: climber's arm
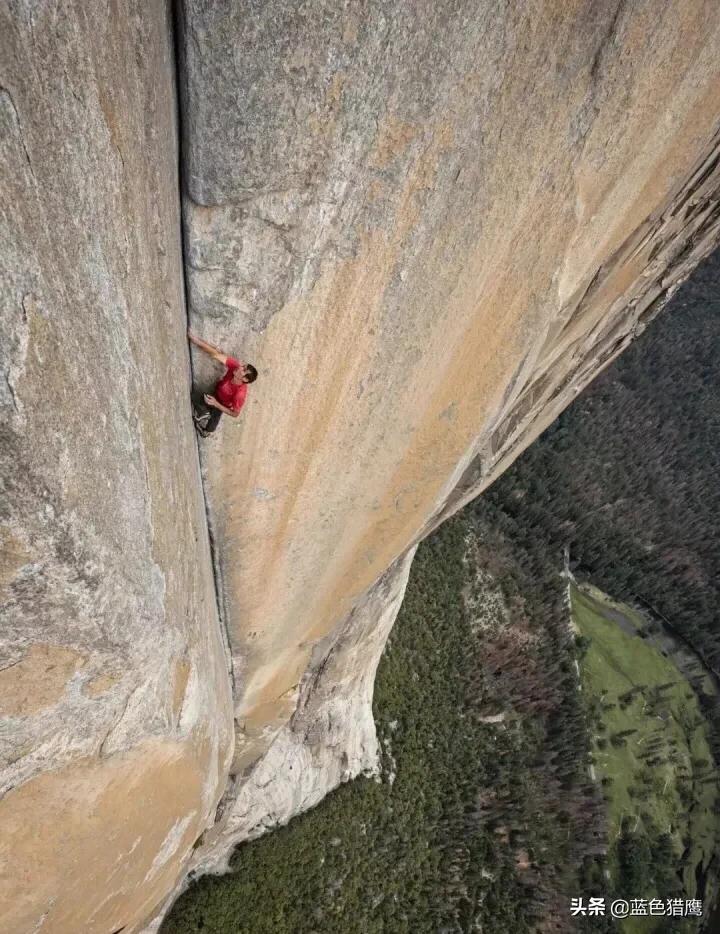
211	400
210	349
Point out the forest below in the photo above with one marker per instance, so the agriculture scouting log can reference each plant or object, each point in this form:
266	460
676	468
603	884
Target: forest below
629	476
484	817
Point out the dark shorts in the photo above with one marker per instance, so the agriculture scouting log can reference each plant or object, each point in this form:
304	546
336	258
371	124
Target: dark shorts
206	418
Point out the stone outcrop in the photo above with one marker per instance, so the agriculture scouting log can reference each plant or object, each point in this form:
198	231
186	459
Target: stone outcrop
115	710
429	225
330	737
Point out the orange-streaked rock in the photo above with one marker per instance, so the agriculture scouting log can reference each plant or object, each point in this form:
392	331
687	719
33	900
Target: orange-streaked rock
428	231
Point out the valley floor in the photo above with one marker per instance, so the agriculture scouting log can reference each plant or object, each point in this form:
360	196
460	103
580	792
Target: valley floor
651	752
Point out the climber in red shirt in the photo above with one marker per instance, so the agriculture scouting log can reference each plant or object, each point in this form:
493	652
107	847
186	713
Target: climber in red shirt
230	391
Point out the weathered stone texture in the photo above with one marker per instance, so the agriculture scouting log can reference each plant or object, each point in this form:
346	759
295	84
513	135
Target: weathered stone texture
429	225
114	704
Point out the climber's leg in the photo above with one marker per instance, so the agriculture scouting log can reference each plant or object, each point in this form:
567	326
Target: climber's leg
206	419
212	424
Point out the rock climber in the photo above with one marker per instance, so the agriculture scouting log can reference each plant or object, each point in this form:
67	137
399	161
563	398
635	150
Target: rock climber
230	392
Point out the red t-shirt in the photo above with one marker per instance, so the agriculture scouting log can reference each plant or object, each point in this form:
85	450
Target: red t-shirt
230	394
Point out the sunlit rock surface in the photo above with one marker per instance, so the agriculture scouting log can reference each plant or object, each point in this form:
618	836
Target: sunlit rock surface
429	225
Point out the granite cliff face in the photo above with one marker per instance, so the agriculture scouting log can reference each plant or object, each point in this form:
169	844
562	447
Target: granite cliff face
429	226
114	695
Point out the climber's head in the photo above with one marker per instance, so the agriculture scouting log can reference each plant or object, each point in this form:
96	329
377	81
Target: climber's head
245	373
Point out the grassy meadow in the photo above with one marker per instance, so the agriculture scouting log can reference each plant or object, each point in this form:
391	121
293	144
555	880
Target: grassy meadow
652	755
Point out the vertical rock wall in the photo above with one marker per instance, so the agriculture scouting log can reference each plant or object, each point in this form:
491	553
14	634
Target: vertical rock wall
114	702
428	225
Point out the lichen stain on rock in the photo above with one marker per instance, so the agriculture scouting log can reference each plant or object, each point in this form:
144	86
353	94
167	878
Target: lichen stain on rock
100	684
37	680
393	138
14	555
